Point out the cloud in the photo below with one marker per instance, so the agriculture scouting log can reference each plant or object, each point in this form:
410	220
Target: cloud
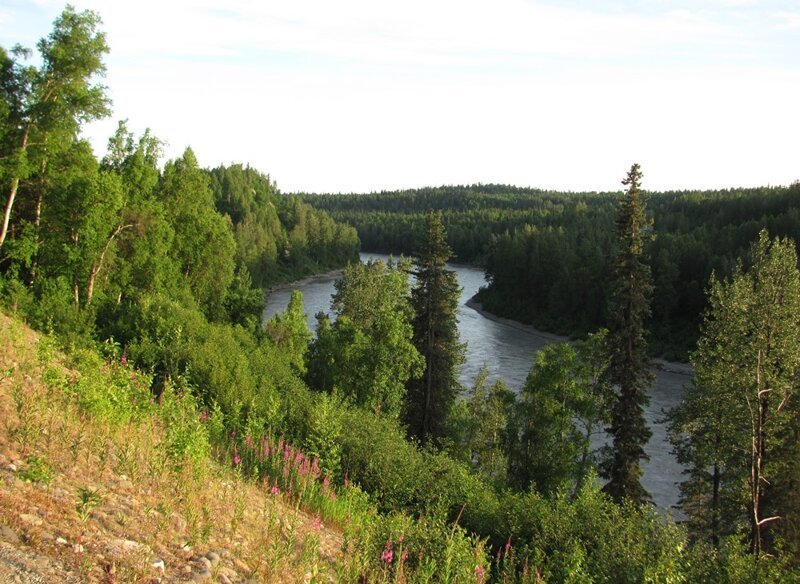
362	95
788	21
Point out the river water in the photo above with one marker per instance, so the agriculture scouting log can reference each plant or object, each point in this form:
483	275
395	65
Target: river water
508	349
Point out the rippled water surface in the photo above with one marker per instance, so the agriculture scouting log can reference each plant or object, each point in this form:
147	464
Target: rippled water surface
508	353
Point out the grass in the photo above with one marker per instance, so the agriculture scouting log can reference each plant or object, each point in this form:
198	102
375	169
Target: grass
116	492
130	488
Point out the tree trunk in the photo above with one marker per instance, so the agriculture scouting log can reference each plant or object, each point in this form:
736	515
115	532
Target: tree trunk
715	511
98	265
13	192
426	415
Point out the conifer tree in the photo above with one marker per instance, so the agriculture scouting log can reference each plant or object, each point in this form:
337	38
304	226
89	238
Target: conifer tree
435	300
628	371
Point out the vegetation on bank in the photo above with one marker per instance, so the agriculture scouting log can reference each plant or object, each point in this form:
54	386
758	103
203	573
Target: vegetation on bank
143	281
547	254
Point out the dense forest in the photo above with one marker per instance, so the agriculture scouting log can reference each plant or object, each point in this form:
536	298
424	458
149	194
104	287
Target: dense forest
547	254
156	271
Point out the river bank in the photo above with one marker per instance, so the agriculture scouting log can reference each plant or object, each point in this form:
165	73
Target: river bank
659	364
294	284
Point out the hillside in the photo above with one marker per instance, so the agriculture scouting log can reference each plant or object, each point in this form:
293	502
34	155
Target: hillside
86	498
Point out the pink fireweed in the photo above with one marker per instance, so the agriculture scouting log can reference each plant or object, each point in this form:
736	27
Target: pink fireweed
317	522
388	554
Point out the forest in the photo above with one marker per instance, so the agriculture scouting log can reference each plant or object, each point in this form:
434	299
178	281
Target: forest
547	254
157	268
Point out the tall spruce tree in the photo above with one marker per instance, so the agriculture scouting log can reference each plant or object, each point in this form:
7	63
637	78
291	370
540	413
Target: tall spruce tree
435	300
628	371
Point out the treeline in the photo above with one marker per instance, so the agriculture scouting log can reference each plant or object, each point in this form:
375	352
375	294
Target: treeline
547	254
278	238
153	268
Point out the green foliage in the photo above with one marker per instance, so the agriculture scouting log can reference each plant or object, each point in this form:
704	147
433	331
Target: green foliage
548	254
203	247
367	353
289	330
737	427
37	470
434	298
278	238
324	433
478	432
563	402
88	499
629	368
46	106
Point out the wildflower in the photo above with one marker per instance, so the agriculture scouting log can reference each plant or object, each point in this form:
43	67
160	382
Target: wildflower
236	459
317	522
204	416
124	359
404	556
480	573
388	555
248	441
275	490
508	545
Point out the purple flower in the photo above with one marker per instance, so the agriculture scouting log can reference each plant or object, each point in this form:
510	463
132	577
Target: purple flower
317	522
388	555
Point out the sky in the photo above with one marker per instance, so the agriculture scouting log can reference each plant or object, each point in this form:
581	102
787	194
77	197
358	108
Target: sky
362	96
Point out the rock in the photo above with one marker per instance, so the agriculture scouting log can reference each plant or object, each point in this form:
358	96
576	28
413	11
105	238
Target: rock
61	541
8	535
178	522
213	557
77	548
130	546
158	564
30	519
202	576
46	536
204	563
187	569
223	579
186	547
229	573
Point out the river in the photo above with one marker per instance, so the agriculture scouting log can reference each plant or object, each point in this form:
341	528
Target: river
507	349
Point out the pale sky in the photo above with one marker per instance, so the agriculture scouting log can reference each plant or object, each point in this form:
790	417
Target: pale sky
358	96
